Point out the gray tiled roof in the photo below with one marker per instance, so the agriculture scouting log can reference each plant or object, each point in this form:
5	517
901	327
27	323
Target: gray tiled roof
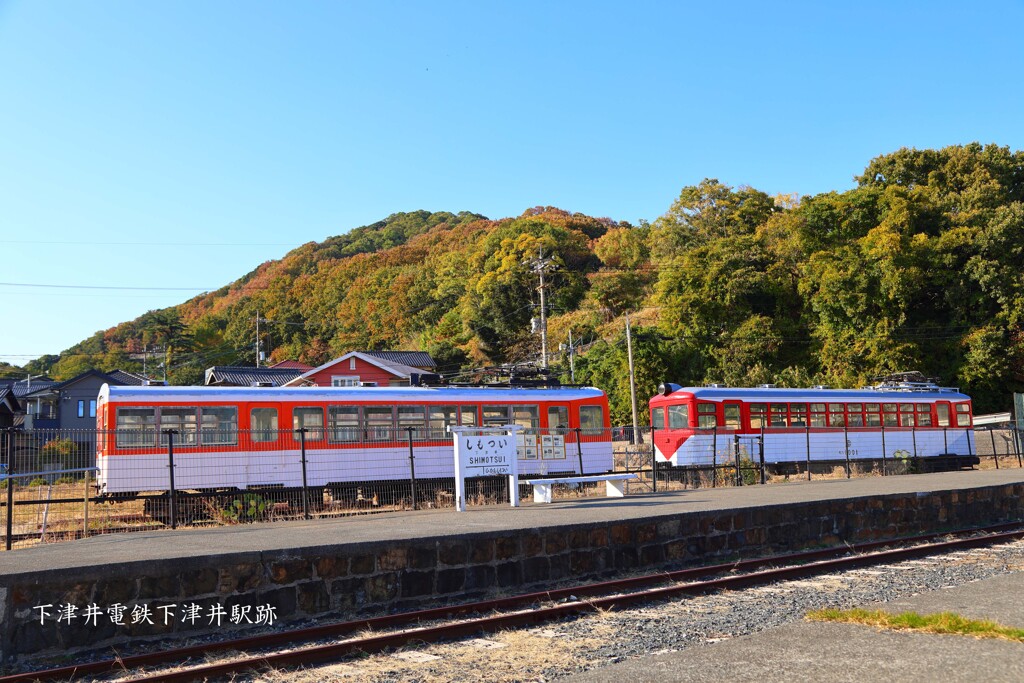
127	378
246	376
22	387
415	359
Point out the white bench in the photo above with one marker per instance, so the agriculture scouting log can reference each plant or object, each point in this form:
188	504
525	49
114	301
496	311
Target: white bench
614	487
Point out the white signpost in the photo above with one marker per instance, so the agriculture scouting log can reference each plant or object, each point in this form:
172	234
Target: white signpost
485	452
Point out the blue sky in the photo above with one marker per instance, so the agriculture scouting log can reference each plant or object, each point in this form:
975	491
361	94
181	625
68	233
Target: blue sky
162	149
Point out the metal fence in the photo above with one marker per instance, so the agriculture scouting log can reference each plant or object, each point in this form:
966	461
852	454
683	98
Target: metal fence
53	489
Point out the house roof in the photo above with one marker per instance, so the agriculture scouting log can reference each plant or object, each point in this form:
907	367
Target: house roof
399	370
8	402
416	359
114	377
23	388
242	376
292	365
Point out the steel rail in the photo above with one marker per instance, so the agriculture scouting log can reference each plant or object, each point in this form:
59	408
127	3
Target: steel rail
811	559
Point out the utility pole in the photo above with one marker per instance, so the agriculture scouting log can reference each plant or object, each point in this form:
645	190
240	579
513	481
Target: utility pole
571	348
632	383
540	265
257	338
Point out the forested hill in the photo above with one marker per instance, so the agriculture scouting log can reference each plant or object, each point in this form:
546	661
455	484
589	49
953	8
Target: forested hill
919	267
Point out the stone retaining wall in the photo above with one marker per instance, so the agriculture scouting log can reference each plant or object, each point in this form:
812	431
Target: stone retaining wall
200	595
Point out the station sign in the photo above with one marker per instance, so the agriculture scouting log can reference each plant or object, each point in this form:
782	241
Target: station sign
485	452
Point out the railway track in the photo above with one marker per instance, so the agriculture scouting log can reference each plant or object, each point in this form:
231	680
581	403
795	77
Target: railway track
332	642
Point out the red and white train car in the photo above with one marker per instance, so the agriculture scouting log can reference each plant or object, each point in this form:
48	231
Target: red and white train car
698	425
238	438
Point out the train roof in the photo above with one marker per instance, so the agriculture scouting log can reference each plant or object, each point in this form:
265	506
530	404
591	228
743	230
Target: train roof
440	395
767	395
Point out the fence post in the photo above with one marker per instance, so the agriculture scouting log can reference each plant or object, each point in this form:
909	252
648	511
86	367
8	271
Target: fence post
846	445
760	455
736	458
1016	446
173	497
654	464
808	433
10	486
305	485
945	441
883	446
995	456
579	448
85	508
714	456
967	433
913	438
412	468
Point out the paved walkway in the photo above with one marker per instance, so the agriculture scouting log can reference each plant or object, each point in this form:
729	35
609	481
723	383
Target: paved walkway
282	536
849	653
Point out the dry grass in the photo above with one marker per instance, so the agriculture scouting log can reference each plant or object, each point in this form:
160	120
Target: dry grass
521	655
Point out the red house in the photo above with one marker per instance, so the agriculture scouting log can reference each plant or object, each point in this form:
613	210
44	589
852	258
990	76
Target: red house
367	369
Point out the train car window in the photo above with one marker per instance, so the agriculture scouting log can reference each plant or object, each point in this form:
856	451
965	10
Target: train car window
412	416
592	420
731	413
219	426
818	415
855	414
963	415
439	418
798	415
924	415
678	417
264	424
872	414
527	417
185	421
779	411
558	418
942	413
889	417
136	427
496	416
657	418
906	414
310	419
706	417
468	416
343	424
758	415
836	415
379	423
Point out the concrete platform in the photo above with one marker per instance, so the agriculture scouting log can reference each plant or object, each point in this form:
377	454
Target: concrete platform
344	568
169	544
848	653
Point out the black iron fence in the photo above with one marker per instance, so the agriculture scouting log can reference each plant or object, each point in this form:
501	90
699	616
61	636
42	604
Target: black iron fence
53	487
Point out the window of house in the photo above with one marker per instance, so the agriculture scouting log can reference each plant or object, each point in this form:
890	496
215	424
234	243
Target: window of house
343	424
678	416
263	422
345	380
706	417
592	420
352	363
311	419
81	409
219	425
